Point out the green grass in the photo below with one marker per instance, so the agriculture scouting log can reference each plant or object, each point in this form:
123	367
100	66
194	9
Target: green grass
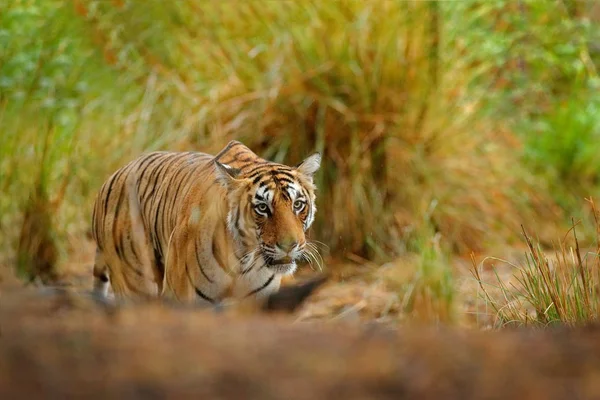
563	289
430	295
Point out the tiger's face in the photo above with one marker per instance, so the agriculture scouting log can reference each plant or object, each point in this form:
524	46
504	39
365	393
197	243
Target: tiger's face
283	209
271	208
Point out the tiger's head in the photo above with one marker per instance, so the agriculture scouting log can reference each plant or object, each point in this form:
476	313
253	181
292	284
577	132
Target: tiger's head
271	206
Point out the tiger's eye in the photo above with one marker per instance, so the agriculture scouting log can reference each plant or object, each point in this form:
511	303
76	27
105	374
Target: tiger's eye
298	205
262	208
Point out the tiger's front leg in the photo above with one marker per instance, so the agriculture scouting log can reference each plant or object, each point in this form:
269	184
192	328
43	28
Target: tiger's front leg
192	274
256	281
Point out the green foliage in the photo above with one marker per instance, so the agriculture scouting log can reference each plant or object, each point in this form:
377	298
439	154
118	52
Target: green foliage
42	95
565	145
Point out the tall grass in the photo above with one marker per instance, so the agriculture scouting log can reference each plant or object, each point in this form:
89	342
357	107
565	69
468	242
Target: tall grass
564	289
430	295
404	99
382	89
66	120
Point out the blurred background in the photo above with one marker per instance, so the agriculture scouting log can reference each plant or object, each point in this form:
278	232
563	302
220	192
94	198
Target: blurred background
444	126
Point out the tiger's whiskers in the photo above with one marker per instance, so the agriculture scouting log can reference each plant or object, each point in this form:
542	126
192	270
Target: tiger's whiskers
312	256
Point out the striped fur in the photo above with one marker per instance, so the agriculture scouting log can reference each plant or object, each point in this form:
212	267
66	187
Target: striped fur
193	227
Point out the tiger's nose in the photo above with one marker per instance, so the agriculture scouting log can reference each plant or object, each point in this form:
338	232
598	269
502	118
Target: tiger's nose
287	244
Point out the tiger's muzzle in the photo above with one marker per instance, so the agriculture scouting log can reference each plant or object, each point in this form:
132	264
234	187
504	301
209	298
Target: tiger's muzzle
282	257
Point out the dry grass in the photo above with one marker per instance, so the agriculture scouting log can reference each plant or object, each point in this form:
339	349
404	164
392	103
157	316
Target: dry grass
563	289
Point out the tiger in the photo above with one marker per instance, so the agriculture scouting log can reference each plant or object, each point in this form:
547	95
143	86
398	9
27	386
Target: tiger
196	228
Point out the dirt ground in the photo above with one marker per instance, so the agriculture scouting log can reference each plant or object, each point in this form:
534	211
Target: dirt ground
357	290
348	341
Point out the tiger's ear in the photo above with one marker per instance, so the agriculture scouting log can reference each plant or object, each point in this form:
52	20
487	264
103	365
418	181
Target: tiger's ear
226	175
310	165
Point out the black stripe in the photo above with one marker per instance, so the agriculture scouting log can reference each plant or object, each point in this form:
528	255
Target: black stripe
244	162
258	170
279	174
198	291
133	250
245	271
146	165
158	216
184	180
306	199
115	177
304	191
226	150
168	201
268	165
160	207
123	256
284	180
179	169
250	268
160	172
117	239
153	180
273	169
239	157
236	224
120	247
200	264
285	194
234	144
262	287
256	164
171	197
256	180
205	297
245	159
168	164
156	213
159	262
